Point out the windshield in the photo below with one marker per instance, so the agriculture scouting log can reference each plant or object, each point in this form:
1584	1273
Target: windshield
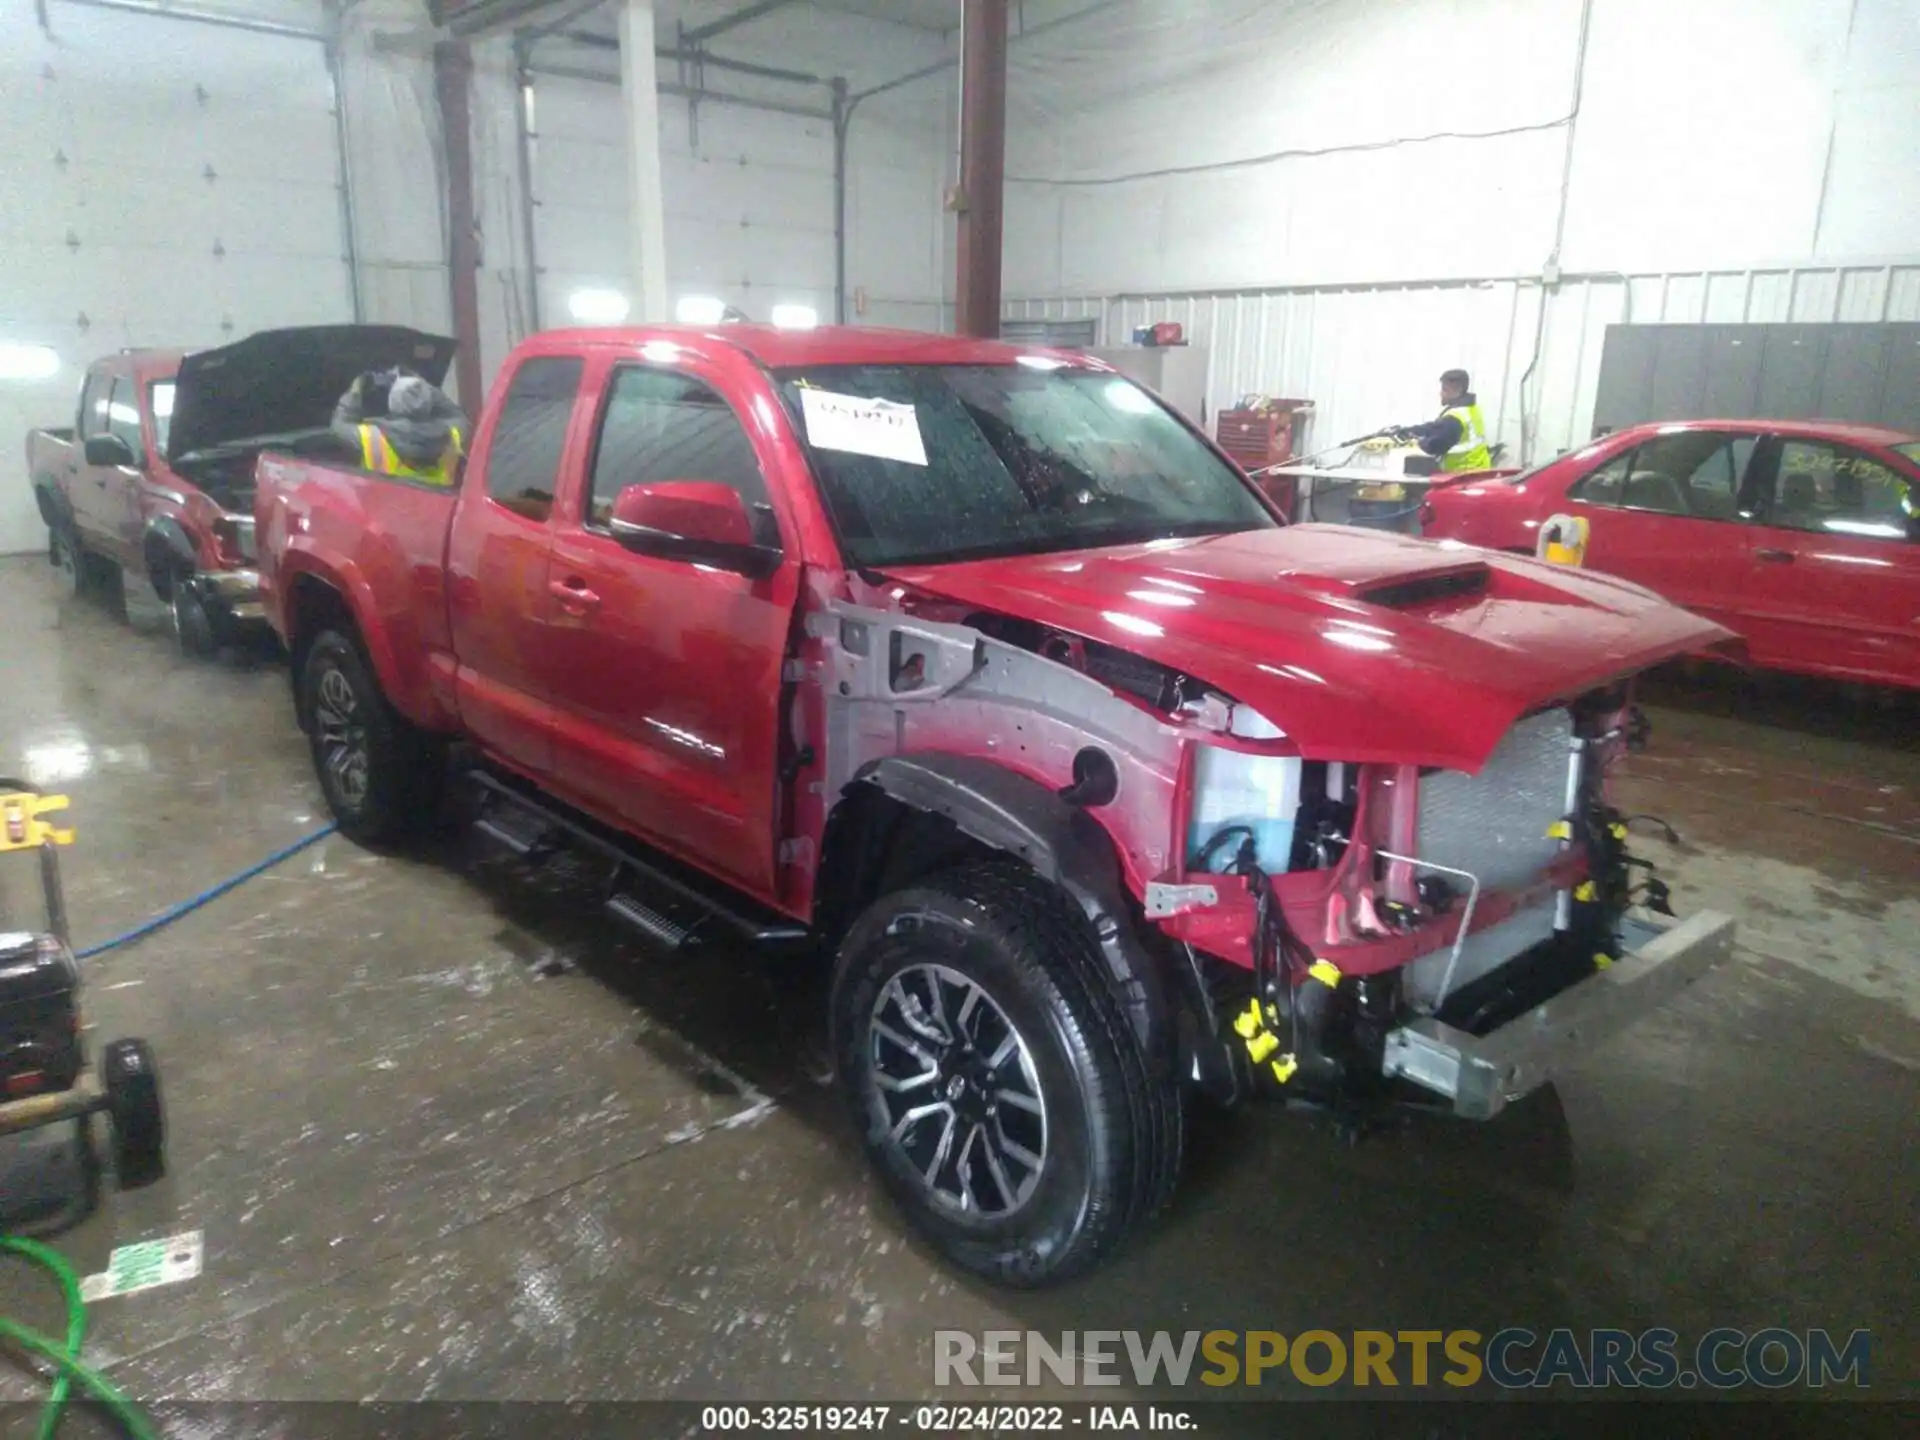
160	403
1911	449
926	463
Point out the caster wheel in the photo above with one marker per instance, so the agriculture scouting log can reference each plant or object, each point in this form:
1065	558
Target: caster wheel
133	1102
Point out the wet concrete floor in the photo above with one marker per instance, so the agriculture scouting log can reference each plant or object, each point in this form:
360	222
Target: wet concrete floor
448	1135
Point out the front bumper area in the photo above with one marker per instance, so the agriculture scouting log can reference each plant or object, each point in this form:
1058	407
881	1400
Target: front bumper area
1481	1074
232	597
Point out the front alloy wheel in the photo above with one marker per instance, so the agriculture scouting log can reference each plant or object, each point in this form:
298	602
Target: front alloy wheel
957	1084
1003	1098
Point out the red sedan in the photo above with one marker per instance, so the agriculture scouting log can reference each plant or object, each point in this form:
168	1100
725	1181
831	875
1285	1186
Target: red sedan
1803	536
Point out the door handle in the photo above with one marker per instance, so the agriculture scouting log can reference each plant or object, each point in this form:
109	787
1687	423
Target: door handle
1774	557
574	596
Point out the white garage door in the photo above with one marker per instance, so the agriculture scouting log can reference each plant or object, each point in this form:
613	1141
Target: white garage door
162	182
749	201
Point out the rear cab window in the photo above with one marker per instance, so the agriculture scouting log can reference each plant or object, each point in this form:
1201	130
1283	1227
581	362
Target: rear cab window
523	459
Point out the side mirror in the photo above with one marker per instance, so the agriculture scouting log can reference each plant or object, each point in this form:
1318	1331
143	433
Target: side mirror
698	520
109	450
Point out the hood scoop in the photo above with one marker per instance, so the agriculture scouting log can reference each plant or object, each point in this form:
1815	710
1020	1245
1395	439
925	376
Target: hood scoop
1423	591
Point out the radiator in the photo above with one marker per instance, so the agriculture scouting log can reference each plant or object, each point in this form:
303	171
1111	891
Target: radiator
1494	824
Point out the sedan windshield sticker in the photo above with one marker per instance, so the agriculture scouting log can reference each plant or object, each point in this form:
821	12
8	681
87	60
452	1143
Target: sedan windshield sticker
884	429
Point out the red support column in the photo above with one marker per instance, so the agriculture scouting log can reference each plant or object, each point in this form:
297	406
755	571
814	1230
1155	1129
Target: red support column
983	164
453	81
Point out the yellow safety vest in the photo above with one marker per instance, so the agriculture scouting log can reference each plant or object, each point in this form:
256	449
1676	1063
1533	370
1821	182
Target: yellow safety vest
1470	452
377	453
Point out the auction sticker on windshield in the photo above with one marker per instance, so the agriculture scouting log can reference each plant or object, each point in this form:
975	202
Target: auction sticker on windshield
884	429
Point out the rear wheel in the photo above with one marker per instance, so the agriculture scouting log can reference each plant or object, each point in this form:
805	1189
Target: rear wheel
998	1088
382	775
70	560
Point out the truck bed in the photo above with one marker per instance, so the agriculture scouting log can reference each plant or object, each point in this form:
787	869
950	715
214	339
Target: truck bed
379	537
48	451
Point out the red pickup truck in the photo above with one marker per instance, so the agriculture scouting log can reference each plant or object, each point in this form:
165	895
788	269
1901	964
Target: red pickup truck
156	476
978	670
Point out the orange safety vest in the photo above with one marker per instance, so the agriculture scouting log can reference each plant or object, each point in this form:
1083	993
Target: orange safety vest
377	453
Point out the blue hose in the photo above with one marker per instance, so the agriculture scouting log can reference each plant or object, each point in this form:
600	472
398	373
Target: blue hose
187	907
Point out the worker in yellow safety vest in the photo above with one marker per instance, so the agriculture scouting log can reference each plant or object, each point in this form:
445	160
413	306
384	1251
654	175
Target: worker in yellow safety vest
400	424
1457	438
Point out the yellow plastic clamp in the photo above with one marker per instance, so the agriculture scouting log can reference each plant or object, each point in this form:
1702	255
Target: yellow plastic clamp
1326	972
1601	962
1249	1022
1251	1026
1284	1067
1560	830
1585	890
1617	830
21	827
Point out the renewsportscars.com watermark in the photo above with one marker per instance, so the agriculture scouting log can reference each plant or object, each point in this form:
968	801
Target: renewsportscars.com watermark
1513	1358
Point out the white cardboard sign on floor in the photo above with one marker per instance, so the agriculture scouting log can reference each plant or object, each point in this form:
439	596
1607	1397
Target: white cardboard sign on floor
145	1266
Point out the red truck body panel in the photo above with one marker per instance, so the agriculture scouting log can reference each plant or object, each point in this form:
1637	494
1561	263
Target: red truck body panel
1825	595
383	549
659	696
1291	622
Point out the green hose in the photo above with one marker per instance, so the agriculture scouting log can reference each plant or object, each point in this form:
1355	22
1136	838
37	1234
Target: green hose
66	1361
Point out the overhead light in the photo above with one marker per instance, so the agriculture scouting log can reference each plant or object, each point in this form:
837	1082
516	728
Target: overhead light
598	307
700	310
795	317
27	362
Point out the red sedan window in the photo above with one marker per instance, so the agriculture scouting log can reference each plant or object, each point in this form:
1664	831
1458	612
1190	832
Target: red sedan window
1836	489
1690	472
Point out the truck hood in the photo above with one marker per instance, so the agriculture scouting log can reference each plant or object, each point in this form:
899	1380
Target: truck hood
278	382
1360	645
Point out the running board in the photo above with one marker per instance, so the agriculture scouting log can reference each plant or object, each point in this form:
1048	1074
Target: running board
637	915
530	825
525	840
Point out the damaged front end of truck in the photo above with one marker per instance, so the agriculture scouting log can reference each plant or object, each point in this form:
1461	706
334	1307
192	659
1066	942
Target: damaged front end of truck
1335	804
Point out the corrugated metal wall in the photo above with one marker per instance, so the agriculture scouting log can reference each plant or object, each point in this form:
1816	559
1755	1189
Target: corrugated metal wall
1368	355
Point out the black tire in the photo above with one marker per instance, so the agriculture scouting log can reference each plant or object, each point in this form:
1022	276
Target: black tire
1110	1129
133	1102
383	777
194	631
